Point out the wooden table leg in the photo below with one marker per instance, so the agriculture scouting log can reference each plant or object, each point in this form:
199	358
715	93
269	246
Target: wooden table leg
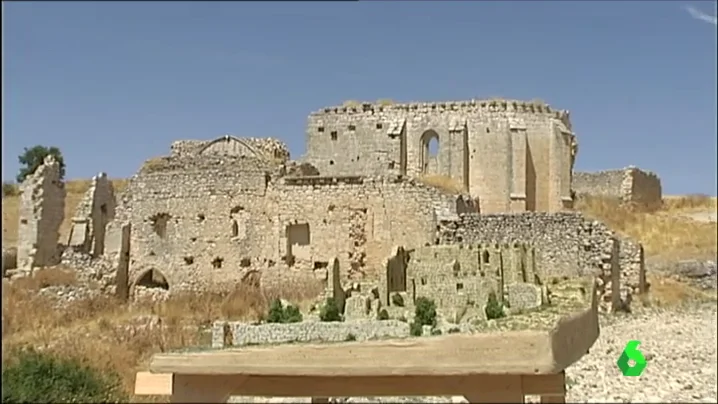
203	388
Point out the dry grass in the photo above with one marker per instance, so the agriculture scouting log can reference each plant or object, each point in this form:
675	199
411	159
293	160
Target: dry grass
444	183
75	192
668	292
107	335
664	234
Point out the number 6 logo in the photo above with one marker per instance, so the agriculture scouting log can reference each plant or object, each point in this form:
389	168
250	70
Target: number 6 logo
631	352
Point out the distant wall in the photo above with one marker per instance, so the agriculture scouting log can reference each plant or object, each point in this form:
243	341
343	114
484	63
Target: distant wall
240	334
630	185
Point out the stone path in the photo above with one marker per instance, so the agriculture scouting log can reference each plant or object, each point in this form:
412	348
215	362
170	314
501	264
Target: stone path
679	343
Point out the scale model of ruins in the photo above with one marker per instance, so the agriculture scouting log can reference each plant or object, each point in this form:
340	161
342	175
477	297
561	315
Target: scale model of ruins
216	213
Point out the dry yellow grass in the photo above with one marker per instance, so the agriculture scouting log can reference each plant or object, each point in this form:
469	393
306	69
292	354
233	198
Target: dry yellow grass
75	192
668	292
664	233
106	334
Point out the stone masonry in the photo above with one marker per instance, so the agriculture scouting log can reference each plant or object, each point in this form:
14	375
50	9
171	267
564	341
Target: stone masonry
566	245
229	333
513	156
630	185
459	278
93	214
216	214
42	208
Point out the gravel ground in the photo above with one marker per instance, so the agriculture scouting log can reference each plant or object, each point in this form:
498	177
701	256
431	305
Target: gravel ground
679	343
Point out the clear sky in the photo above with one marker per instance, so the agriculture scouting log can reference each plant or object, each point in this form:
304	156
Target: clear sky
114	83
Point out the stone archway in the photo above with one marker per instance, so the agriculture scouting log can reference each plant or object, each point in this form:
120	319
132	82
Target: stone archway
252	279
152	279
430	148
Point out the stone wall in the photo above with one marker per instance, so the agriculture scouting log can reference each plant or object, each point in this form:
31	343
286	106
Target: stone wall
631	185
226	333
42	207
226	216
567	245
510	155
459	278
92	215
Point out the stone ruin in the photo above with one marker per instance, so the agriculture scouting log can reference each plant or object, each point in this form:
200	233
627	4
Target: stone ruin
42	210
632	186
216	214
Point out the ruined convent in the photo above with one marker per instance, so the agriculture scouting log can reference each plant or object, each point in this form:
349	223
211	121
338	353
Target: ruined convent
357	208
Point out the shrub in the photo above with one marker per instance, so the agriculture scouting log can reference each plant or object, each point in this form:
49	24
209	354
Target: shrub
280	314
10	189
425	313
330	311
397	300
383	315
350	337
494	309
416	329
34	377
292	314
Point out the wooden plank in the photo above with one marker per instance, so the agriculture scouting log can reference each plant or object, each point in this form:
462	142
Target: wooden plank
204	389
153	384
544	385
523	352
478	387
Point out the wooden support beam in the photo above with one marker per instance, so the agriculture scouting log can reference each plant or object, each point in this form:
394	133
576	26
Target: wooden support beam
477	388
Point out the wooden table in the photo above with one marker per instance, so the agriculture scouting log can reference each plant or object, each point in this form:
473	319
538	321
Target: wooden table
494	367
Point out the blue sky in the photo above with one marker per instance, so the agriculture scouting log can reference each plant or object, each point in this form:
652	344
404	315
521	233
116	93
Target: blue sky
113	83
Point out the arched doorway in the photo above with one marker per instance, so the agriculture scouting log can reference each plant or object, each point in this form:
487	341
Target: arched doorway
153	279
430	152
252	279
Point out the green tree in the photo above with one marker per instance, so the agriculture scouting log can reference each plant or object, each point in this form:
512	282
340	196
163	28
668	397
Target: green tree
35	377
32	158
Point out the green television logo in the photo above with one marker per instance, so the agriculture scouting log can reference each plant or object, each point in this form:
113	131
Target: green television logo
631	352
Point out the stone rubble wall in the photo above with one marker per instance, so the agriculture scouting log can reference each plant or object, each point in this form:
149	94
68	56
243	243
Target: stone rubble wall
235	210
567	245
631	185
270	147
92	215
42	210
230	333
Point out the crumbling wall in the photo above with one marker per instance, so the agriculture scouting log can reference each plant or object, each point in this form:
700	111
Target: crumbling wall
210	219
359	219
459	278
511	155
631	185
200	221
269	148
566	245
226	334
42	207
92	216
